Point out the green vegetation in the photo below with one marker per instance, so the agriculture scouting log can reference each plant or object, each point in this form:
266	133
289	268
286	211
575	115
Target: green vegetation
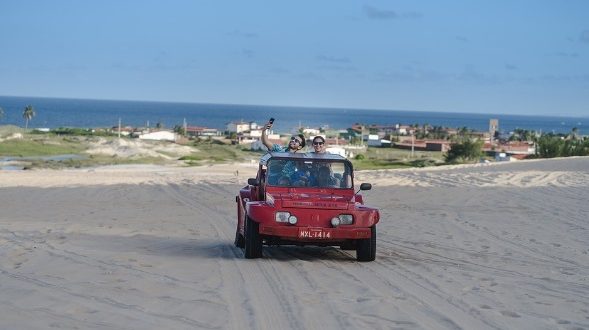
91	160
467	150
19	142
390	158
39	147
550	146
192	160
376	164
7	130
180	130
28	114
213	151
16	142
522	135
76	132
431	132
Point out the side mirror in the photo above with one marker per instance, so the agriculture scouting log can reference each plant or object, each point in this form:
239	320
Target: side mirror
365	186
252	182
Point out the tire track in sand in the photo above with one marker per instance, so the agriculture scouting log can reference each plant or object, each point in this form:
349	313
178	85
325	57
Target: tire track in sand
241	282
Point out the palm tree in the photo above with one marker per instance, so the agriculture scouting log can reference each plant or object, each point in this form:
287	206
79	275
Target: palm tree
180	130
28	114
574	131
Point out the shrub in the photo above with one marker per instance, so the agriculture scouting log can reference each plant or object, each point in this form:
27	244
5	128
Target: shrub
466	150
550	146
190	158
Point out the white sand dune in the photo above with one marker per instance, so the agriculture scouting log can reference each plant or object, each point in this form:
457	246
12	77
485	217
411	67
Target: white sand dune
145	247
137	148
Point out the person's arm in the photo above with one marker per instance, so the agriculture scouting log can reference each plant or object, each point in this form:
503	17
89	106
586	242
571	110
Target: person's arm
265	140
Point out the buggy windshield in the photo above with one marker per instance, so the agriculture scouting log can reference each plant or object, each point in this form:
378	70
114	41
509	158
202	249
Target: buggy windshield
309	173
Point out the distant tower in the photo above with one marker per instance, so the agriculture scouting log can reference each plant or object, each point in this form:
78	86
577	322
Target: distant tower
493	126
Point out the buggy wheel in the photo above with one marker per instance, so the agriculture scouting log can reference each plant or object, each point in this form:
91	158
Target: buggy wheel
239	241
366	248
253	241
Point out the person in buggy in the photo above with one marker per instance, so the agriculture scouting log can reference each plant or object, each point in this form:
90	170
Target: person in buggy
324	178
296	143
289	169
287	173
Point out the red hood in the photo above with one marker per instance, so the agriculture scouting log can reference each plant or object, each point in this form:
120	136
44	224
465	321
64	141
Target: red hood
311	200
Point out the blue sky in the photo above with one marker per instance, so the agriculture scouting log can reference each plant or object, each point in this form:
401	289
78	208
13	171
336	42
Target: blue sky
515	57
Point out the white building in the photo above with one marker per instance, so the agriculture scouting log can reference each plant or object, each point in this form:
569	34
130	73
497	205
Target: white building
159	136
201	131
256	133
336	150
373	140
311	131
241	126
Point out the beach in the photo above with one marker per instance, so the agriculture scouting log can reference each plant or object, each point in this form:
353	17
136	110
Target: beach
485	246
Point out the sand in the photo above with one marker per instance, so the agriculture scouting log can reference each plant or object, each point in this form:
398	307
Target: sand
499	246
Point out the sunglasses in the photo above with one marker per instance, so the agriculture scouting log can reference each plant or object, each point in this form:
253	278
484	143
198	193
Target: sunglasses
295	139
318	143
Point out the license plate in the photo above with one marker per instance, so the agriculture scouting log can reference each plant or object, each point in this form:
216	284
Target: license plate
314	233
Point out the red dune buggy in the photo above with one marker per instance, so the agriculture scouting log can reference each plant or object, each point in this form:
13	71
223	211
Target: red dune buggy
305	199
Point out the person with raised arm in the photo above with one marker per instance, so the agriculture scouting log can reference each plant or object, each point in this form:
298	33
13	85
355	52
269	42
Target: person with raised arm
296	143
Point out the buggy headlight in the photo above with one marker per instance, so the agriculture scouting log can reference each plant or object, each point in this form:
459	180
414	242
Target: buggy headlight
292	220
282	216
342	219
346	219
335	221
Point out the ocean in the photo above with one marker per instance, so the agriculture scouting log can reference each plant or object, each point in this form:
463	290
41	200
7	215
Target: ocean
57	112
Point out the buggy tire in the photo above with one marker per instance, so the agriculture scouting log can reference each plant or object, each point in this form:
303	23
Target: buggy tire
366	248
253	241
239	241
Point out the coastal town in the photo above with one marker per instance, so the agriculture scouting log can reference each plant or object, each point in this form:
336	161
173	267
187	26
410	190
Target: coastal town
355	139
359	141
374	146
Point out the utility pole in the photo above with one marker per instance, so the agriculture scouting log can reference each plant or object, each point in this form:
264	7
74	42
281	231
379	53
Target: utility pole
119	127
412	145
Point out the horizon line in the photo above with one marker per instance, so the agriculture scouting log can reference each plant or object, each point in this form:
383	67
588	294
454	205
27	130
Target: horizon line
289	106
